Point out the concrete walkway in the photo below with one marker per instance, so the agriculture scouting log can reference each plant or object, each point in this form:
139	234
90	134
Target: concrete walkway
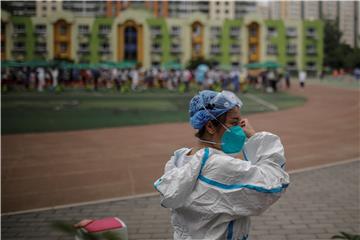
50	169
318	204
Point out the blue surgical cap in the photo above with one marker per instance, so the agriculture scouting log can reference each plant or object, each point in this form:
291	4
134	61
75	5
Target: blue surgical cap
216	104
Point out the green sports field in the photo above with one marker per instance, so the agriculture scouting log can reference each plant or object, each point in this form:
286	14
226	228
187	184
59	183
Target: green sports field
74	110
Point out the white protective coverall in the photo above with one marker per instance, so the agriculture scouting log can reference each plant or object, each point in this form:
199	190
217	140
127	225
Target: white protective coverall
212	195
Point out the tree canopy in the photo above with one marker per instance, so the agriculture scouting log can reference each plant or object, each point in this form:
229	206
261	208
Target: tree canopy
338	54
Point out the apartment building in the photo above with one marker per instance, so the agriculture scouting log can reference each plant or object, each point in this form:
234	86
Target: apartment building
153	41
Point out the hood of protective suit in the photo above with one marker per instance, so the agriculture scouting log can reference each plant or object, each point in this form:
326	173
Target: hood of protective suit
182	171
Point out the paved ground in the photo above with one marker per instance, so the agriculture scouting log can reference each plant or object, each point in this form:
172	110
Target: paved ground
44	170
317	205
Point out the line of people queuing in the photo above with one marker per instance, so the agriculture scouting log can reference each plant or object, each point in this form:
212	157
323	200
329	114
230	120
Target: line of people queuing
138	79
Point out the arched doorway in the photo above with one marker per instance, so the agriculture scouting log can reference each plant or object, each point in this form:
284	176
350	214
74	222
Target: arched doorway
197	34
62	39
254	42
130	42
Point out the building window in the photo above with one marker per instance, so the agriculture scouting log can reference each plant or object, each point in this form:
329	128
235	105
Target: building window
104	29
19	28
217	3
196	30
253	49
311	66
155	31
253	32
215	32
272	32
234	32
235	49
291	49
19	45
84	46
291	32
63	29
44	8
53	8
272	49
105	48
40	47
83	29
130	43
63	47
175	30
40	29
311	49
226	11
311	32
197	48
155	64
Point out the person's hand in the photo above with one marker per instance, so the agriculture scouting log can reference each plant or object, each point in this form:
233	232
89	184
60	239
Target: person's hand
246	126
83	223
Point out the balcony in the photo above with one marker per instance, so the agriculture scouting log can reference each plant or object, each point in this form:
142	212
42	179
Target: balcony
156	33
175	33
271	32
87	33
156	50
104	34
291	67
235	33
235	50
19	50
40	50
272	50
19	33
291	50
104	51
41	38
311	68
175	50
83	51
215	32
215	51
40	32
291	33
311	51
310	34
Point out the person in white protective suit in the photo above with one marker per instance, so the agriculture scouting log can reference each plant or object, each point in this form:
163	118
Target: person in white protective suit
210	190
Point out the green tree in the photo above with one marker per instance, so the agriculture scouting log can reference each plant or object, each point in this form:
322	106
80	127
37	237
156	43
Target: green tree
337	54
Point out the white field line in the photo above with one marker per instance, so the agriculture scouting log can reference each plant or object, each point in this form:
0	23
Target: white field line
262	102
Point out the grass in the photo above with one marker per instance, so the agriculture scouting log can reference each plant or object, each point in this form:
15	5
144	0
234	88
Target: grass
27	112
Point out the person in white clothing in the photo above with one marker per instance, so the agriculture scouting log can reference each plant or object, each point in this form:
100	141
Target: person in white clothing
41	79
211	191
134	79
302	78
55	74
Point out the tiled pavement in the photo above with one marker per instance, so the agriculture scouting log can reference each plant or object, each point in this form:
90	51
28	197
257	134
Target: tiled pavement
318	204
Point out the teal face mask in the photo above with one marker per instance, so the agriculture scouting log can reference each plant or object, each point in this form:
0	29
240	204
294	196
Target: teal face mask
233	140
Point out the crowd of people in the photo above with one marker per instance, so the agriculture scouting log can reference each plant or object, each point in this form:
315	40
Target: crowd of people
139	79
